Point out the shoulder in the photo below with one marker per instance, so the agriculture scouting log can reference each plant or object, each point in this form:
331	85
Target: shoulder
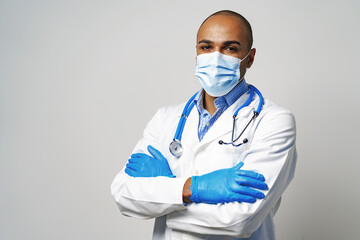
270	109
275	120
166	116
172	111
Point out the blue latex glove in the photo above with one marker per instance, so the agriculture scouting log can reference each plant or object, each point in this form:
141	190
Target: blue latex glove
227	185
143	165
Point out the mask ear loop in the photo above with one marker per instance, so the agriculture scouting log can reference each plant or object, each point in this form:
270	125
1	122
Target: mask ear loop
243	60
246	55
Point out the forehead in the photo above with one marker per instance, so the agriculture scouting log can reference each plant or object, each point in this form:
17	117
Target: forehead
221	28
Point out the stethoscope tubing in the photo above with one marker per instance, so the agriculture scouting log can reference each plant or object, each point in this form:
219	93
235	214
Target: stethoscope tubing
256	113
233	131
184	115
190	104
261	100
247	103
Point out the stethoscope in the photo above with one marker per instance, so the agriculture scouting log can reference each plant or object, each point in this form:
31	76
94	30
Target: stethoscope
176	148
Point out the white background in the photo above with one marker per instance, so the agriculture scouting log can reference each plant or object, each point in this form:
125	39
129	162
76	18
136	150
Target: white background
80	79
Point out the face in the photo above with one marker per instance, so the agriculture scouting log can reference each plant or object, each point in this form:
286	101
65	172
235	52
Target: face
225	34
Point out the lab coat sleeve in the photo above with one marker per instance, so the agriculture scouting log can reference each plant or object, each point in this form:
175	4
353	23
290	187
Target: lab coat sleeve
273	154
151	196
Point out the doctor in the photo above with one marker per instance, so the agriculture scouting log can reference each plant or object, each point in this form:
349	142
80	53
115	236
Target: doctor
231	154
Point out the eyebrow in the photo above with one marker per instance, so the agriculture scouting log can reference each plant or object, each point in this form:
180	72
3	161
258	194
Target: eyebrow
232	42
205	41
225	43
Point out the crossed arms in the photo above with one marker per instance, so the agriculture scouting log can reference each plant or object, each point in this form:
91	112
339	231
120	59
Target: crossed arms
272	153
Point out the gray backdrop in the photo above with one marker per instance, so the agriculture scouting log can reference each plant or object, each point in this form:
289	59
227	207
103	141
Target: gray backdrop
80	79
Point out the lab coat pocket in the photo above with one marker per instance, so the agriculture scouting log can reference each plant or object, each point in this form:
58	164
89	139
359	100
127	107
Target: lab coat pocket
234	152
219	156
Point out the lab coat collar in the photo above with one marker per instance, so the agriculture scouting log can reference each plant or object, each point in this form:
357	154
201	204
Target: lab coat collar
222	126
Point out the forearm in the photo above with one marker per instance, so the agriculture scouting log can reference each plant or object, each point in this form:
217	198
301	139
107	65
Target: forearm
147	197
272	154
229	219
186	193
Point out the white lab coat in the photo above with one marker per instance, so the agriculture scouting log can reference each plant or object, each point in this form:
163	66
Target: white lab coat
270	151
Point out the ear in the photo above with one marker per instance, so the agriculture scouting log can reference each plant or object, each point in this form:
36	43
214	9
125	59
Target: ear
251	58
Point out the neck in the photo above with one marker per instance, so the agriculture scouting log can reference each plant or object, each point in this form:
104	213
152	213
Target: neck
209	103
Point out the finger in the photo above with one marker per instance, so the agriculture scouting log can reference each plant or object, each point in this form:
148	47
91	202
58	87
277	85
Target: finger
250	182
250	174
135	160
139	155
237	197
243	198
130	172
155	153
132	166
248	192
239	165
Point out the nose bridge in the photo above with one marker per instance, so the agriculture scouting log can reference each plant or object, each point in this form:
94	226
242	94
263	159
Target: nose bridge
216	59
217	48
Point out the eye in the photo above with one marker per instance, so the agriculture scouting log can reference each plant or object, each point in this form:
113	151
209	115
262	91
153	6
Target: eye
231	49
205	47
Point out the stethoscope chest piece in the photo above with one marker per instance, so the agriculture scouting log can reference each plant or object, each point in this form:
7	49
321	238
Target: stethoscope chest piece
176	148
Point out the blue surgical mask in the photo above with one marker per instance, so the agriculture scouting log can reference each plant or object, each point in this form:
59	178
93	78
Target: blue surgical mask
218	73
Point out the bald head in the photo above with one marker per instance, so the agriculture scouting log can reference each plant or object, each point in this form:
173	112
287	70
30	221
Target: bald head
243	25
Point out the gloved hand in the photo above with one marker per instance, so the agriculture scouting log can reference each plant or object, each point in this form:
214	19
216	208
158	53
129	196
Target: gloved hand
143	165
227	185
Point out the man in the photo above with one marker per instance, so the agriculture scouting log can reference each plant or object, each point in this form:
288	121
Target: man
214	184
